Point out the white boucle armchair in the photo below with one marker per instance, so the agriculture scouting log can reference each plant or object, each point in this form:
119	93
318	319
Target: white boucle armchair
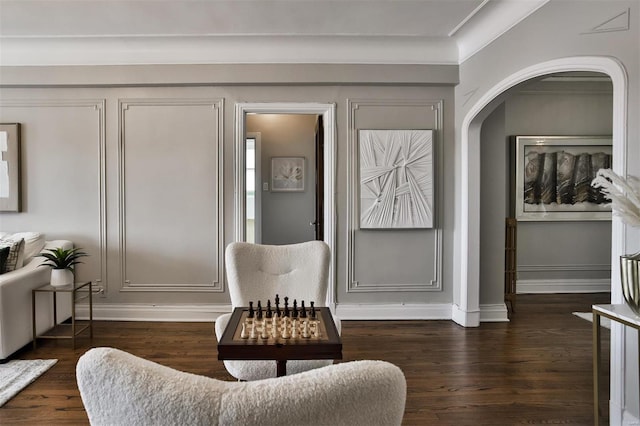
15	300
118	388
259	272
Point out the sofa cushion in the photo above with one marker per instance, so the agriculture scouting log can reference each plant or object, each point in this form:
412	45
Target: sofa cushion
4	254
33	244
16	254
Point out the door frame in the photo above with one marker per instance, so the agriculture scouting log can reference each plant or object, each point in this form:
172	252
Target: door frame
328	112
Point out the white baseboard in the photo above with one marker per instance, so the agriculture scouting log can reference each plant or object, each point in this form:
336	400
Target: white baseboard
372	311
563	286
206	313
153	312
494	313
629	419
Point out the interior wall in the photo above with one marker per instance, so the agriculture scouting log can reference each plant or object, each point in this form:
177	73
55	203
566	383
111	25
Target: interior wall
147	189
286	216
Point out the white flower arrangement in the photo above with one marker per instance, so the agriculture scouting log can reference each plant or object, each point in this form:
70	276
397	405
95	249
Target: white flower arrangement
624	194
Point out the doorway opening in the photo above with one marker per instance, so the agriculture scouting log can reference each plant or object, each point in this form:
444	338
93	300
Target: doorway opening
319	172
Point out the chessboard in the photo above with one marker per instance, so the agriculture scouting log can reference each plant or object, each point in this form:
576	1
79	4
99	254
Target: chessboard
273	333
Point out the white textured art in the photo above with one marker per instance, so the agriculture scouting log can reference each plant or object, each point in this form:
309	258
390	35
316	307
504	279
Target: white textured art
396	179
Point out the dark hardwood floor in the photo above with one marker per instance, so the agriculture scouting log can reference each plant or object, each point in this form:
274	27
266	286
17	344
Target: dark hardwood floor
534	370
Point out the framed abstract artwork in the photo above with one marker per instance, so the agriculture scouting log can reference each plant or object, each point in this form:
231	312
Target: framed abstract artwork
554	174
396	179
10	167
287	174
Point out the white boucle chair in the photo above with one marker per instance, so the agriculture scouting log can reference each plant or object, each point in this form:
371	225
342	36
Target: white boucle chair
118	388
259	272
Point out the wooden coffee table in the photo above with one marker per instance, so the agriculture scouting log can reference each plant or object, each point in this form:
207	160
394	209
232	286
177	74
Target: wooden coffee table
325	345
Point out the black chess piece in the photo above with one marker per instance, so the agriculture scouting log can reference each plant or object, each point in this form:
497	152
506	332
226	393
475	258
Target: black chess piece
251	311
313	311
294	313
277	300
269	308
259	310
286	306
303	311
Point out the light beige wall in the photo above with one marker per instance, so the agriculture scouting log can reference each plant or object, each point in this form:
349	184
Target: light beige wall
147	178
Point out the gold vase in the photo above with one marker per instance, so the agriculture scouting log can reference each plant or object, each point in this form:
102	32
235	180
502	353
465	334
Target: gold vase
630	278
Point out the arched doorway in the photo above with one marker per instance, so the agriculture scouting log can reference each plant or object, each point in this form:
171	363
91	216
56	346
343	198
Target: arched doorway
466	260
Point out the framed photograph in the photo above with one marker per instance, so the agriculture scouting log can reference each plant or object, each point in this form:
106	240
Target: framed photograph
10	167
396	179
554	174
287	174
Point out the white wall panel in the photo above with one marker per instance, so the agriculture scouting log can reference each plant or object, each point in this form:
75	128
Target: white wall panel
63	166
170	199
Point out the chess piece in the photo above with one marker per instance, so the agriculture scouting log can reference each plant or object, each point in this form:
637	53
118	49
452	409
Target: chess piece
294	329
303	311
313	311
251	311
253	335
269	308
316	332
264	334
305	330
294	313
285	329
286	306
259	314
277	300
243	333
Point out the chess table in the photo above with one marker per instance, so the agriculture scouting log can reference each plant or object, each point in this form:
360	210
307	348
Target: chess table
323	341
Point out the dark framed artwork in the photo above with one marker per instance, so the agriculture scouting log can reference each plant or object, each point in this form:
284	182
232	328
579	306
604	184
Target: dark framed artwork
10	167
554	174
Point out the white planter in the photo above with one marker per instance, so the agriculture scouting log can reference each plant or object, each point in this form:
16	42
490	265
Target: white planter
61	277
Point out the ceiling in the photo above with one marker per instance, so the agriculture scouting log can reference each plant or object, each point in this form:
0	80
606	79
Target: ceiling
440	31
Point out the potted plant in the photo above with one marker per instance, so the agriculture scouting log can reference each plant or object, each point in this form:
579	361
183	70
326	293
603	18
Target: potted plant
62	263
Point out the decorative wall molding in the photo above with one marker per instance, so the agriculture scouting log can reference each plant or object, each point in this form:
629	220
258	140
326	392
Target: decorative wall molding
619	22
587	285
98	105
217	106
353	196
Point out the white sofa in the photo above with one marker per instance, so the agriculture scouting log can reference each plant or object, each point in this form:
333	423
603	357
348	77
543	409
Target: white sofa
15	302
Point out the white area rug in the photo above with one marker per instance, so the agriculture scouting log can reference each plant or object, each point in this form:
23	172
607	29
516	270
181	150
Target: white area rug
604	322
17	374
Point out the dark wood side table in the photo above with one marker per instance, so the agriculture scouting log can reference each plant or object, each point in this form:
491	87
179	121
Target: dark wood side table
233	347
58	331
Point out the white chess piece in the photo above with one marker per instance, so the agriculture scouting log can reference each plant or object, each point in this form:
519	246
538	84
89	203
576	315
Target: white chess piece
294	329
285	329
253	335
317	333
264	334
243	333
305	330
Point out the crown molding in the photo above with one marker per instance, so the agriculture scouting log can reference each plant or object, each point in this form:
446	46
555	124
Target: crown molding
489	22
145	50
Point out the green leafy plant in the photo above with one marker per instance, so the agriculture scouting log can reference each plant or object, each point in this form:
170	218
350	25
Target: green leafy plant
59	258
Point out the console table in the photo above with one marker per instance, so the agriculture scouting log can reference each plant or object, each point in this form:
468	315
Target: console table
620	313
